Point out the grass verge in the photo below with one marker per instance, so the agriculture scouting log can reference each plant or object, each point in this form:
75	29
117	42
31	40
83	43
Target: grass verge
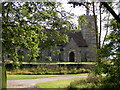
20	77
59	63
57	84
55	62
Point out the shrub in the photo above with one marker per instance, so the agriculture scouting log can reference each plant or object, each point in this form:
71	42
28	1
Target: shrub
77	84
93	78
63	70
82	70
49	58
48	70
81	84
74	70
110	85
91	82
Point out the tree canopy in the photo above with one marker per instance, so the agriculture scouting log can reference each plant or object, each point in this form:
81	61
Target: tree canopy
32	27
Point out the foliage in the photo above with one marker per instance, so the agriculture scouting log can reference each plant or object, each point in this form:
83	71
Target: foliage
47	71
31	27
28	28
49	58
56	62
82	20
110	53
83	84
93	78
93	82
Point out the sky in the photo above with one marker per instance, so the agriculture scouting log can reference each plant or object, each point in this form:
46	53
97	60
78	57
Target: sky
77	10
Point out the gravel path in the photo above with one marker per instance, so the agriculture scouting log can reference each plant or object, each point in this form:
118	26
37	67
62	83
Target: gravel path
30	83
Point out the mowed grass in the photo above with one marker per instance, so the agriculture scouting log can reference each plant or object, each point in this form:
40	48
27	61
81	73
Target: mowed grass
57	84
59	63
20	77
55	62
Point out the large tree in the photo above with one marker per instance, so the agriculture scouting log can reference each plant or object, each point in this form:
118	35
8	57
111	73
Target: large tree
110	55
32	27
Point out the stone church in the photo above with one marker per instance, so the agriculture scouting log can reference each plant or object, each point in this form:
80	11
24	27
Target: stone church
81	46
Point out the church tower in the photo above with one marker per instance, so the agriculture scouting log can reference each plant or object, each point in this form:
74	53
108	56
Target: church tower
89	34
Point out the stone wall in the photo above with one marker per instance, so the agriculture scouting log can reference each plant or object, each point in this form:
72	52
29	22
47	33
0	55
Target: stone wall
48	53
72	47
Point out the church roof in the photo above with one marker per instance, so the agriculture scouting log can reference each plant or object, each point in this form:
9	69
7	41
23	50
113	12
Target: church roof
78	38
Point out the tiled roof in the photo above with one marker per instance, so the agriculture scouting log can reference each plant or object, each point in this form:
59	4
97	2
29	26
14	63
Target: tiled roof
78	38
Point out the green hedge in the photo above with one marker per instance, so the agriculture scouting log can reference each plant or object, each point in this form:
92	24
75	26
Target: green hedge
47	70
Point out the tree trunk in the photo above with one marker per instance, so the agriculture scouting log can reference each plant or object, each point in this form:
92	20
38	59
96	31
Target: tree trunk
96	29
4	76
100	29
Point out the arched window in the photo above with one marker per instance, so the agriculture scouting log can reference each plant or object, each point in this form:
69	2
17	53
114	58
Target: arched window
71	57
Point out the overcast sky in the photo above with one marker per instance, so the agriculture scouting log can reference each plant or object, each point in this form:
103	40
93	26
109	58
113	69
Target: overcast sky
77	10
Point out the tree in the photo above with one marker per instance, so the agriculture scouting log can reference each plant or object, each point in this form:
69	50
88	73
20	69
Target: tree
105	4
110	53
32	27
111	11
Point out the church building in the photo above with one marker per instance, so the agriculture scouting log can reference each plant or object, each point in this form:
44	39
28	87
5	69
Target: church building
81	46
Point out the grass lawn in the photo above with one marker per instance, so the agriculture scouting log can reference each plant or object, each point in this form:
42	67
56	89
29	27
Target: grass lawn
57	83
19	77
54	62
59	63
